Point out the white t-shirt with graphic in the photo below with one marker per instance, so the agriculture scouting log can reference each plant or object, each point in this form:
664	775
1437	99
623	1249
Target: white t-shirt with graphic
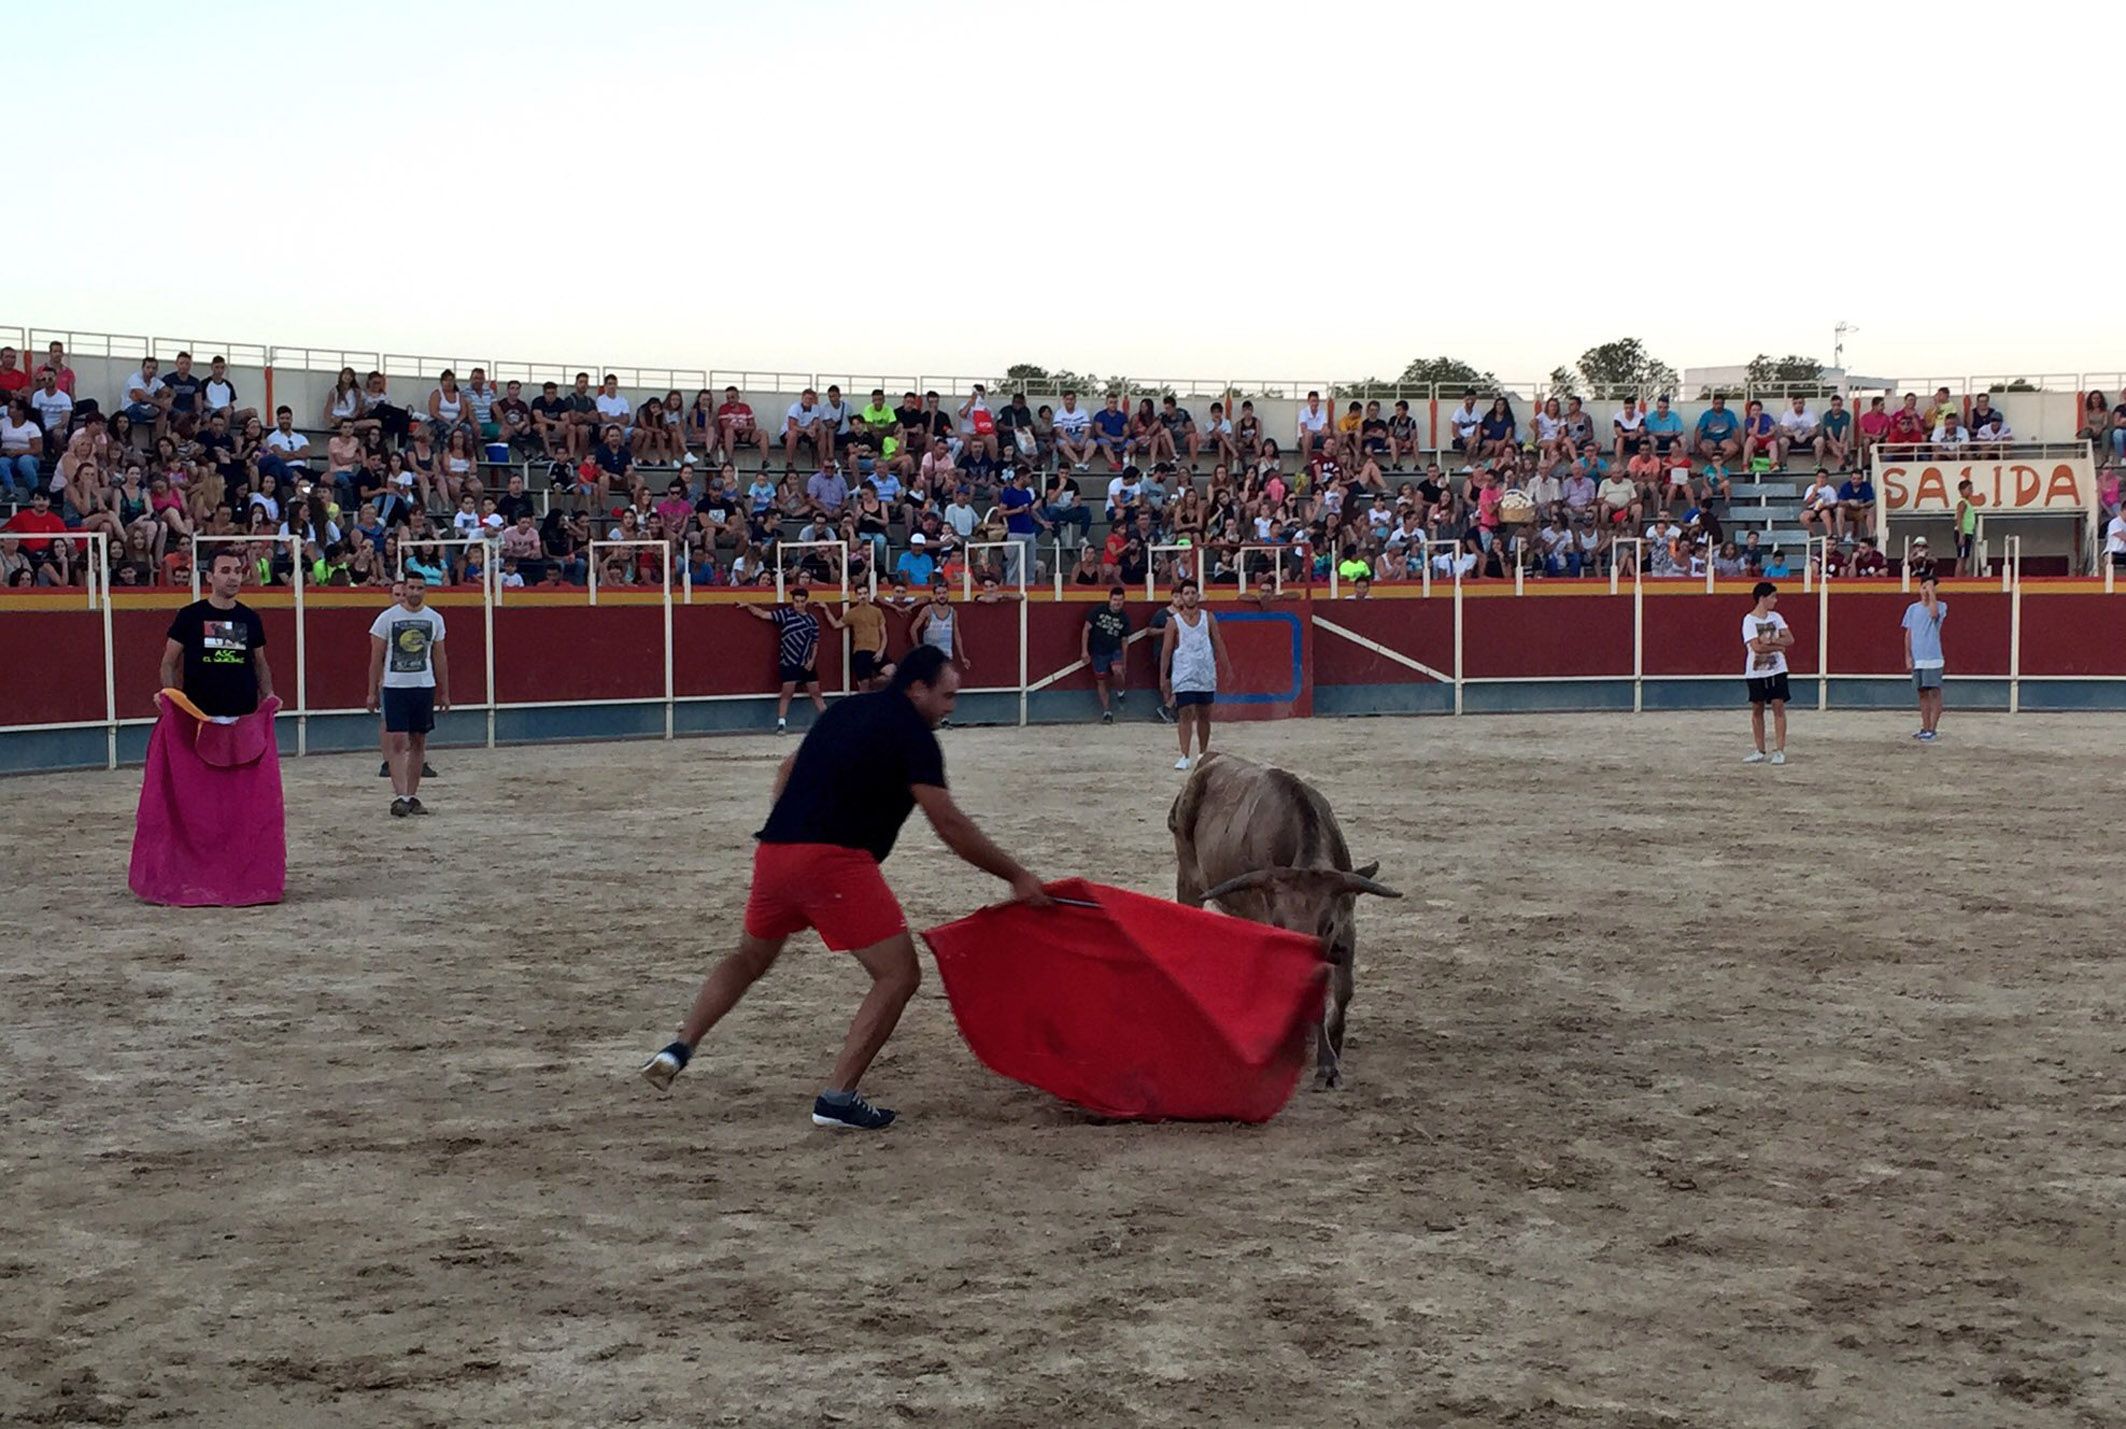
410	638
1763	666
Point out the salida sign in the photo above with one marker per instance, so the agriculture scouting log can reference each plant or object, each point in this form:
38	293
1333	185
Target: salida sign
2065	486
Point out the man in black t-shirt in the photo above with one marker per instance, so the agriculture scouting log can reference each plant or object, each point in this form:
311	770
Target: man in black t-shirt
216	648
840	801
1100	646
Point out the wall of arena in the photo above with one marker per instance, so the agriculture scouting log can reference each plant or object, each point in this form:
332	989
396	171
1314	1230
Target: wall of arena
559	669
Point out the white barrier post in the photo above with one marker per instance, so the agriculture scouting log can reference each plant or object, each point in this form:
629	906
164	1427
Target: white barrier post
1823	632
2012	564
1457	635
1638	622
1904	566
1151	569
841	563
666	548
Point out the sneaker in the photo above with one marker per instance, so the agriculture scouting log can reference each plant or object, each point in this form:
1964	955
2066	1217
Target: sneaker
1121	695
1755	756
415	806
1107	716
782	726
383	771
855	1114
1778	757
659	1070
1182	762
1919	734
1929	735
399	809
1165	713
428	771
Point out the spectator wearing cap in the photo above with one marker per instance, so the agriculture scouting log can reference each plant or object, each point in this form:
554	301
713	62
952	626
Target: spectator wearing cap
1919	560
916	564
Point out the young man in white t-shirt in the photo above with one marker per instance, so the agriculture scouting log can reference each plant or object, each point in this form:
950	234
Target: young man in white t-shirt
409	676
1765	641
1074	426
2115	542
614	409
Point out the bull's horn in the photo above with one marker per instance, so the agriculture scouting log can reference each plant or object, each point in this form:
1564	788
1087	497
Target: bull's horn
1245	881
1357	882
1369	870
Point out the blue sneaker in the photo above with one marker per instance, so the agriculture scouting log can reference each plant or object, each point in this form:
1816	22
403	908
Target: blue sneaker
855	1114
667	1064
1928	735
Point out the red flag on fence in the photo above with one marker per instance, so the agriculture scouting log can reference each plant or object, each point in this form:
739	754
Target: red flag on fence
1135	1007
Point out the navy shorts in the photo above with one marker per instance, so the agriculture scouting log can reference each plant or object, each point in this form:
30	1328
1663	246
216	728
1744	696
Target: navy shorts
1772	689
1106	662
411	710
1184	698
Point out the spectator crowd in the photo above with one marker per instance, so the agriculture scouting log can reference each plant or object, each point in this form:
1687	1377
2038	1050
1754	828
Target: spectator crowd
922	486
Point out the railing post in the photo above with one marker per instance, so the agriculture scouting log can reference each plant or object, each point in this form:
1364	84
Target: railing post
110	673
1638	626
1457	637
491	596
2012	561
302	651
1823	631
668	688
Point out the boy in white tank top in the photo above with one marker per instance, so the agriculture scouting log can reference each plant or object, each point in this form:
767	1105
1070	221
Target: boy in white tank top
1190	659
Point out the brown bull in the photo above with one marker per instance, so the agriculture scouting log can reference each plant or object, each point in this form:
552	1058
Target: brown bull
1263	844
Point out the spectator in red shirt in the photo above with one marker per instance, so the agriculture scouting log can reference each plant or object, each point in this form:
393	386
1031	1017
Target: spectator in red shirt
1874	426
55	360
52	560
736	427
1908	426
14	377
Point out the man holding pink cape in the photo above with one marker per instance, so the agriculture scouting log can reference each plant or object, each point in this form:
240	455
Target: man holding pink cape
211	828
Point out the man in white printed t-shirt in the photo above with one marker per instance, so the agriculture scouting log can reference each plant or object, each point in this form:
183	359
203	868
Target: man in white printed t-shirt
409	675
614	409
1467	421
1765	641
1797	430
1074	428
1314	426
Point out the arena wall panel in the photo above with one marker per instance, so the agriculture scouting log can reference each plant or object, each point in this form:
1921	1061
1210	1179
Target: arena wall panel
566	670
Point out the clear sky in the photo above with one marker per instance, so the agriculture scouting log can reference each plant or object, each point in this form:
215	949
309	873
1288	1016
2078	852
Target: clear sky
1238	190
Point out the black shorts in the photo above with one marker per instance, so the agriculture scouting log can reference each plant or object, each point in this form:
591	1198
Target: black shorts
797	675
863	664
1105	662
1632	445
411	710
1769	690
1185	698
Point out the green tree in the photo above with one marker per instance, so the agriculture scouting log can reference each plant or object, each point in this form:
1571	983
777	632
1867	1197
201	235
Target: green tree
1028	378
1447	373
1792	375
1623	368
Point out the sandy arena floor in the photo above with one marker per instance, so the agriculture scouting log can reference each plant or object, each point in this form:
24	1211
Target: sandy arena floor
1680	1093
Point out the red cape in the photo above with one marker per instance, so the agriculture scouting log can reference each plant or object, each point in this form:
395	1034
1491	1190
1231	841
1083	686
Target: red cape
211	827
1135	1007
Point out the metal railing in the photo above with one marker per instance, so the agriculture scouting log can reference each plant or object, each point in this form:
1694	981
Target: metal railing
299	357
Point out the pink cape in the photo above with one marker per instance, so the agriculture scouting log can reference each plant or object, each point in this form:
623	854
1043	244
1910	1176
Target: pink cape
1135	1007
212	829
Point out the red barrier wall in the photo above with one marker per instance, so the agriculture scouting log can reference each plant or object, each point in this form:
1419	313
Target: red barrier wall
550	650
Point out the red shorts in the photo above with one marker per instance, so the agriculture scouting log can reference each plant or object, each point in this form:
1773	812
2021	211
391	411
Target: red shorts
838	891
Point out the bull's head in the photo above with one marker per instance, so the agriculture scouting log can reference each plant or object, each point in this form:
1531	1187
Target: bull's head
1332	881
1317	901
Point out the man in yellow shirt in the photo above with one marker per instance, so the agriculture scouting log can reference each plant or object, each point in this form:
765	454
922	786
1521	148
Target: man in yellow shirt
865	621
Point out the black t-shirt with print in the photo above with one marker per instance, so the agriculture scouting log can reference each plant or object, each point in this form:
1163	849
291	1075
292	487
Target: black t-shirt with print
851	784
184	392
218	674
909	419
1109	626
